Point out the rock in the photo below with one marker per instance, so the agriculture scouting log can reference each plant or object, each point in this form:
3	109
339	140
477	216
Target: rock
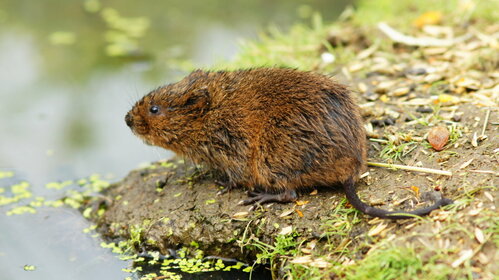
384	87
438	137
431	78
426	110
400	91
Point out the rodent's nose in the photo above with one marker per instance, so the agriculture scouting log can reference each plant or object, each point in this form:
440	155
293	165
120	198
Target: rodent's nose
129	119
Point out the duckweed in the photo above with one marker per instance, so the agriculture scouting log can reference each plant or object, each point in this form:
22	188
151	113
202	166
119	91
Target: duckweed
19	192
6	174
210	201
21	210
59	185
28	267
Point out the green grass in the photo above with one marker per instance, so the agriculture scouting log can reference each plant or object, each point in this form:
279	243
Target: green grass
397	151
394	263
404	12
338	226
297	48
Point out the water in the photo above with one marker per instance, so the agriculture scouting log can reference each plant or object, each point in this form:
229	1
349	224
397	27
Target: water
63	99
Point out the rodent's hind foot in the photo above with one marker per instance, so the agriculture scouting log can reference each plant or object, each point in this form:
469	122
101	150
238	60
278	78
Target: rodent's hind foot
226	187
259	198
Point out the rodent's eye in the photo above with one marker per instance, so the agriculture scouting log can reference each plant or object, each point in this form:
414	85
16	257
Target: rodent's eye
154	109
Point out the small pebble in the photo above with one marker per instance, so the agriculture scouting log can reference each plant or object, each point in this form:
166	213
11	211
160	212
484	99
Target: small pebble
401	91
424	110
416	71
371	96
431	78
431	196
384	86
362	87
383	122
378	123
389	121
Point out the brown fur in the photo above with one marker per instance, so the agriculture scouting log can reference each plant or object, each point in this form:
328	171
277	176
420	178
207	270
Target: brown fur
271	128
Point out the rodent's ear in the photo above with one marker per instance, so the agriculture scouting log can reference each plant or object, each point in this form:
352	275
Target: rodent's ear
194	76
198	99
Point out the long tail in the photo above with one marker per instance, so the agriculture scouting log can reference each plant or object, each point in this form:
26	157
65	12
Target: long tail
354	199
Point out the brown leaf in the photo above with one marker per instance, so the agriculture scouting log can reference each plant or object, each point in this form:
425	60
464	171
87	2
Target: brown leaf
415	190
299	213
301	202
438	137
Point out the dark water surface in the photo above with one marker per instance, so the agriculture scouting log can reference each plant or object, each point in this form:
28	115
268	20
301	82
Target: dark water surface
69	71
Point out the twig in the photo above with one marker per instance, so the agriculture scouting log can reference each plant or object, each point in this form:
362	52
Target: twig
411	168
485	172
487	115
419	41
378	140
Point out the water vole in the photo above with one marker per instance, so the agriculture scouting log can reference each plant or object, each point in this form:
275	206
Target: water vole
273	131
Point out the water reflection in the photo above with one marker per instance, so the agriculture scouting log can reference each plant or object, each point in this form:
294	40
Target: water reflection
63	99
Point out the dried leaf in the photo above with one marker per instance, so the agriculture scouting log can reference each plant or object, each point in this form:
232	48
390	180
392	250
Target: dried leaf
301	202
320	263
489	196
415	190
377	229
483	258
302	260
286	213
299	213
240	215
479	236
306	251
286	230
438	137
465	255
464	165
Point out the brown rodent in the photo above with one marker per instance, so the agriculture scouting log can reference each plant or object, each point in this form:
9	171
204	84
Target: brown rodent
271	130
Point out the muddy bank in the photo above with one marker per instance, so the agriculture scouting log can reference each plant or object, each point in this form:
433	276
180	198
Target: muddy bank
175	204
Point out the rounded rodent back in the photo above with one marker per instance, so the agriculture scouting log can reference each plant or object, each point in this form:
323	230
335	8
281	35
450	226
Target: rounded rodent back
266	123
